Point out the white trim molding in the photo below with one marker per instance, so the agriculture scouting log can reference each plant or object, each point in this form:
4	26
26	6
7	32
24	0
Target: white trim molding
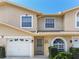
21	21
65	42
30	37
1	36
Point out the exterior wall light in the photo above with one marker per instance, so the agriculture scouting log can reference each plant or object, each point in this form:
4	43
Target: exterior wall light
32	40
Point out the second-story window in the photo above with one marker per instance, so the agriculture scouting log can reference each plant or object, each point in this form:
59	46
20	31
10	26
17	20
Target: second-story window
49	23
77	20
26	21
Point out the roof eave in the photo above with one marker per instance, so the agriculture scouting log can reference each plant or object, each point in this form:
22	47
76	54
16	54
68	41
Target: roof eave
21	6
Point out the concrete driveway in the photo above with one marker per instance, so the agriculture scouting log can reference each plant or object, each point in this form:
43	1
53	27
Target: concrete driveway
36	57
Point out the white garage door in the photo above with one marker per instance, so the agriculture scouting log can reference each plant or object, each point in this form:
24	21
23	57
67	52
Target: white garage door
19	47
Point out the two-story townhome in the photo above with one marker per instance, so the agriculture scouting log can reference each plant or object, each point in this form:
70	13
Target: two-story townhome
25	32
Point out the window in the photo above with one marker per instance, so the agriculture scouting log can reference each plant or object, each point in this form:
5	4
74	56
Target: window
26	40
40	42
49	23
11	40
26	21
59	44
16	39
77	19
21	39
76	40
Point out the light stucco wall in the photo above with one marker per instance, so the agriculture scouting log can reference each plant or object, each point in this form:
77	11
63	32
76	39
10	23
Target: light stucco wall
8	31
11	15
69	21
58	23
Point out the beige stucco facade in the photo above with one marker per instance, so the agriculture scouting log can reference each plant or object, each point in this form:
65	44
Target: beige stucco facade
58	23
10	16
8	31
69	20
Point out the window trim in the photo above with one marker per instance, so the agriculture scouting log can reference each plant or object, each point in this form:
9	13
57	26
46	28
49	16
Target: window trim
59	44
21	21
45	23
64	40
76	19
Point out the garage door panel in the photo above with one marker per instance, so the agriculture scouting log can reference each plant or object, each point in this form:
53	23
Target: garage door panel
20	47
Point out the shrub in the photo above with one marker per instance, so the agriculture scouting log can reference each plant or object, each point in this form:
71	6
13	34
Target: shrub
52	52
2	52
63	55
75	53
55	54
74	50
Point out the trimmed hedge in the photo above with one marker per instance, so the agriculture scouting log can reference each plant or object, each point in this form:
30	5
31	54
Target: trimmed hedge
55	54
74	50
75	53
63	55
2	52
52	52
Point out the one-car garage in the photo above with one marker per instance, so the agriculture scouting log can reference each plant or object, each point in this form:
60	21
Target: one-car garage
19	46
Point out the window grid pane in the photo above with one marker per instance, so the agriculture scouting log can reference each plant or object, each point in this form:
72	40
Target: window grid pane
26	21
59	44
26	24
49	23
77	23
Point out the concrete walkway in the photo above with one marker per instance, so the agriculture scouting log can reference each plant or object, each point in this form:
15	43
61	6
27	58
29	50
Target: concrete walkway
36	57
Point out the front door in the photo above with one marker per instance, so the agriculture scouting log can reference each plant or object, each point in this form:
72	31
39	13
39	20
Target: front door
39	47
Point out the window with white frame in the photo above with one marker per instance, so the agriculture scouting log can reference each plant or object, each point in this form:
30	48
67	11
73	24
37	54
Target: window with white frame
77	20
49	23
26	21
59	44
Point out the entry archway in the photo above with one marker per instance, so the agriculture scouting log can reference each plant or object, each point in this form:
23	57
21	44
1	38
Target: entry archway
60	43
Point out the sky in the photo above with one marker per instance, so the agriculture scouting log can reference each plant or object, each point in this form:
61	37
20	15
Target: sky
48	6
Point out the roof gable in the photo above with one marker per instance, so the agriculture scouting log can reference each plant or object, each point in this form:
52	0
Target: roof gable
36	12
19	6
66	11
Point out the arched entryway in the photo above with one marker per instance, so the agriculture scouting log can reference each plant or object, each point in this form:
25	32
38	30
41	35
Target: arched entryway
60	43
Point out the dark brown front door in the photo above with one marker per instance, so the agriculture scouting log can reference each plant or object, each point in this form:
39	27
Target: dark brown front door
39	47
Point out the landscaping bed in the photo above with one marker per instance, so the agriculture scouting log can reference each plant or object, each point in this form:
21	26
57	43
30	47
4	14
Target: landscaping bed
55	54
